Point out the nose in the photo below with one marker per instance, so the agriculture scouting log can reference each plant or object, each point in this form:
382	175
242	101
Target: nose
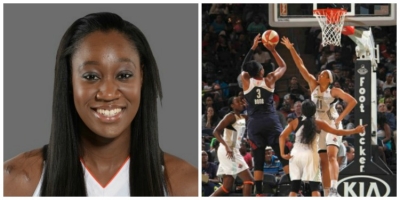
108	91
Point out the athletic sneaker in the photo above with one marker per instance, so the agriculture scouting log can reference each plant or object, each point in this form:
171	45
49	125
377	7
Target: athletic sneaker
333	193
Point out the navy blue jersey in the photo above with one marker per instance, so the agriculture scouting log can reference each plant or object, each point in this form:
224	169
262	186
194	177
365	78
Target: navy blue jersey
259	98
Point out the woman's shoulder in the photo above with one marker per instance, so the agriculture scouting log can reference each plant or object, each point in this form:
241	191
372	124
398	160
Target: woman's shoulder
182	176
22	173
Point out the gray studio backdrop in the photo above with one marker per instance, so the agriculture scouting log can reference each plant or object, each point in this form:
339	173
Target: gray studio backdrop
31	36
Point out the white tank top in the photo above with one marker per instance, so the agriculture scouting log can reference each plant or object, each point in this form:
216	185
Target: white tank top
117	186
325	104
232	137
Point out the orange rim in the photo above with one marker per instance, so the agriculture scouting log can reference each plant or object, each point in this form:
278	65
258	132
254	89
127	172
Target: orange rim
332	14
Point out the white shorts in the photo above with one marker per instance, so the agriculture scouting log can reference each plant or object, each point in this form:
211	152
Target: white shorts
301	166
229	166
326	139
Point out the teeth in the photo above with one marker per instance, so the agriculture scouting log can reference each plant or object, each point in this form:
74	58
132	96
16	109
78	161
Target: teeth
109	113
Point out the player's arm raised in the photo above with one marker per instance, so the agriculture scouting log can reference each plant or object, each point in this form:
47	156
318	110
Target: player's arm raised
312	82
278	73
245	77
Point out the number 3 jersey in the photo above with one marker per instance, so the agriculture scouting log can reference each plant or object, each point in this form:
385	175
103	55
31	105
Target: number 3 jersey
259	98
325	104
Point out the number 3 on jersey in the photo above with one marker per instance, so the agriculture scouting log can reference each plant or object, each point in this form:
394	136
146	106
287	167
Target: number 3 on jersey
258	93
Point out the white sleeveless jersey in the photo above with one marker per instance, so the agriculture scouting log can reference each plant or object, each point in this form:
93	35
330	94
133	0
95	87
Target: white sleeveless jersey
233	137
325	104
304	165
117	186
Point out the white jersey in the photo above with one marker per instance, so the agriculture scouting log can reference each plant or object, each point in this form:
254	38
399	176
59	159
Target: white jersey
326	111
117	186
325	104
304	165
233	134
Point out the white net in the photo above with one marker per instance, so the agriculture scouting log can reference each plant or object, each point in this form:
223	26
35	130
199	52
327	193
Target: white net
331	21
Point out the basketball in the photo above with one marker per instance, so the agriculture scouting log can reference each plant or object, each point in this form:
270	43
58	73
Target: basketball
348	30
270	37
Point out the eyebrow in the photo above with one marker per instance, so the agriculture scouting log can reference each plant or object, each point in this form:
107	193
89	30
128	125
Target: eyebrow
92	62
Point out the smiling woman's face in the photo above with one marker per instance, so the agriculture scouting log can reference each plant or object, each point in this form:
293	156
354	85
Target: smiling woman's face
106	82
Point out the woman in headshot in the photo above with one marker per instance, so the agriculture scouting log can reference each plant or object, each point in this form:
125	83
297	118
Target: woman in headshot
104	133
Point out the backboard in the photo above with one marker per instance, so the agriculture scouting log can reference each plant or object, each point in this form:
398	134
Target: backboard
358	14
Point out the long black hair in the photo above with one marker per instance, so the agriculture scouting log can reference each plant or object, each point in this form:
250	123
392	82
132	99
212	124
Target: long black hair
308	109
63	171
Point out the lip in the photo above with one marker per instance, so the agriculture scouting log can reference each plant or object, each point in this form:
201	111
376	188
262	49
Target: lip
107	119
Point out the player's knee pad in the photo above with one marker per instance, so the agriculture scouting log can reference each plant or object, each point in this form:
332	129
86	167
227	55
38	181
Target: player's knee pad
295	186
259	158
314	186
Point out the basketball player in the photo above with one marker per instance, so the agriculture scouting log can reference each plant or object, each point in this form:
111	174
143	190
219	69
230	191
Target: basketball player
104	137
304	161
263	125
325	97
231	162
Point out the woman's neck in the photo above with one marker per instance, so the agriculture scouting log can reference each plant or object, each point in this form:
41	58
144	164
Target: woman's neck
323	88
102	152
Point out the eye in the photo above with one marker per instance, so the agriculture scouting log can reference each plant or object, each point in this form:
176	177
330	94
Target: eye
124	75
90	77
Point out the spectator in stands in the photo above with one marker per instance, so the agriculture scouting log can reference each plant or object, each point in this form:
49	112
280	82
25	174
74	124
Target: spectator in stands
223	88
341	157
297	110
384	136
389	105
279	113
386	94
246	155
384	132
389	82
296	88
346	119
336	84
218	24
337	63
349	154
391	119
272	165
209	175
256	27
394	102
210	119
382	71
208	101
219	97
327	56
391	64
214	145
288	104
223	50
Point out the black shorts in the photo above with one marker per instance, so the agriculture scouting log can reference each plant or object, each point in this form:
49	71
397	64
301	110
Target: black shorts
264	130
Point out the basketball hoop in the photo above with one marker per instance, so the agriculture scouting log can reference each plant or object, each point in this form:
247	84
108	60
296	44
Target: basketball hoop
331	21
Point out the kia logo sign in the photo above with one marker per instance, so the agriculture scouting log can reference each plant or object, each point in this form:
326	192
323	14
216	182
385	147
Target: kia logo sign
364	186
